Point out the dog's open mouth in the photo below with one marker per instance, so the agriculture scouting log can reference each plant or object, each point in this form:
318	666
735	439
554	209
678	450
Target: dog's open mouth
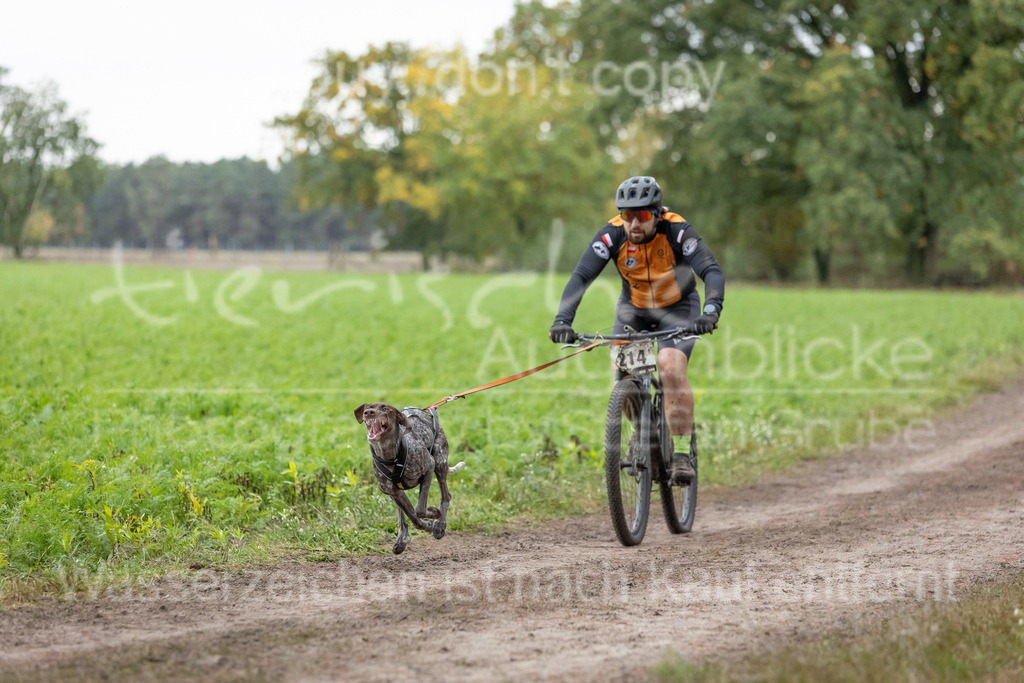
375	428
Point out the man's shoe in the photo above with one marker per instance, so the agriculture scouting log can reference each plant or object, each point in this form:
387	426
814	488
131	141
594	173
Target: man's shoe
682	471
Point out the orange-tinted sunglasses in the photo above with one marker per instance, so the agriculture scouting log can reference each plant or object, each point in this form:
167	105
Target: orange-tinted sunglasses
643	216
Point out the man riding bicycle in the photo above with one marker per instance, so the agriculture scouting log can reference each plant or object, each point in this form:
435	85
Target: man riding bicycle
657	253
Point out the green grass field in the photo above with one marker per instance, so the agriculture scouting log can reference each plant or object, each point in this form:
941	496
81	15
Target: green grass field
158	418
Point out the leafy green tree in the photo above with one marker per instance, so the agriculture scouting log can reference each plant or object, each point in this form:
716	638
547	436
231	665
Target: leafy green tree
457	156
47	166
889	134
349	134
955	100
515	153
354	119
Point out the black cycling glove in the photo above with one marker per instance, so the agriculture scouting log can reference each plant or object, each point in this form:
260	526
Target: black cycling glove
562	333
706	322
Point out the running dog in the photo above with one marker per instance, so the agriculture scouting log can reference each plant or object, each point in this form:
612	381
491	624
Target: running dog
407	447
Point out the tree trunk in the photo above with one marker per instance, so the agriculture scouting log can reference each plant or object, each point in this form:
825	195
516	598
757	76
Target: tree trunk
921	254
822	264
5	224
931	235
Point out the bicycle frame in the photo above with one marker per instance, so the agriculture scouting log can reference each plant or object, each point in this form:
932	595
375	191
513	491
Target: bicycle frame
660	438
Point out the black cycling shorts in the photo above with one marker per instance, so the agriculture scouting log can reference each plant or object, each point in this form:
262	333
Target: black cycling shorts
656	319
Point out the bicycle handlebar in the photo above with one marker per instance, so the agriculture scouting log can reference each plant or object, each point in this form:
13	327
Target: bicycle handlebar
680	331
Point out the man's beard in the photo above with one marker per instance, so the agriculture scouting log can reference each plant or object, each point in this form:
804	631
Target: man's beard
638	240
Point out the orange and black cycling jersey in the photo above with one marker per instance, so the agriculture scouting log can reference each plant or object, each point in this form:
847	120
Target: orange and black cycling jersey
655	274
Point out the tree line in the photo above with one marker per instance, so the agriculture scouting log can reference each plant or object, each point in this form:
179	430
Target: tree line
230	204
863	142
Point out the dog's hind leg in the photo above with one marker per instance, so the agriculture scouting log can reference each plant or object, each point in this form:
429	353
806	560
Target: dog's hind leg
441	523
440	452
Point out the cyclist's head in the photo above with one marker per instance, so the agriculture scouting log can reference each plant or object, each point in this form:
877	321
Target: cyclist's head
639	192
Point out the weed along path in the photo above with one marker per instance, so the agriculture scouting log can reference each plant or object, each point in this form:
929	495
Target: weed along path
917	518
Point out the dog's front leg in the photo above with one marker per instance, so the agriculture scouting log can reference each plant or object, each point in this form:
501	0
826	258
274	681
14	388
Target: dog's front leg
421	503
405	505
405	511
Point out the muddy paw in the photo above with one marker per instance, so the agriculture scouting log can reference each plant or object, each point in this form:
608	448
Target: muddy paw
432	513
439	527
399	547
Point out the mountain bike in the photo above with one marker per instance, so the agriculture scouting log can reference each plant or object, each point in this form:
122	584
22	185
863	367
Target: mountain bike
638	444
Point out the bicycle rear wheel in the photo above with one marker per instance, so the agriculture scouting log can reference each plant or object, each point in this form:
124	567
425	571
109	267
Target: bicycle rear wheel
679	503
627	460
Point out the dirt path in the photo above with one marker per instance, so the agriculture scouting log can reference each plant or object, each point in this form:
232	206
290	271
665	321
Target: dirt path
917	518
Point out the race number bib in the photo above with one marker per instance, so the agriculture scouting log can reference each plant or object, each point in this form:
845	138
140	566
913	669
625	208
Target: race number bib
634	357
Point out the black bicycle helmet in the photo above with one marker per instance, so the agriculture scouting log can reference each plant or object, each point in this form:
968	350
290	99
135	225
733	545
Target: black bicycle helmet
638	192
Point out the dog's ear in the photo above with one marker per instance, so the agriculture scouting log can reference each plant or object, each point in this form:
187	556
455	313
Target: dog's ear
359	413
402	419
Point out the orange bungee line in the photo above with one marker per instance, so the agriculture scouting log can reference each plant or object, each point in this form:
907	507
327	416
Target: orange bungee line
506	380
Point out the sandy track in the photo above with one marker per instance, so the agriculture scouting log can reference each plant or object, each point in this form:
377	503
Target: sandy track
917	518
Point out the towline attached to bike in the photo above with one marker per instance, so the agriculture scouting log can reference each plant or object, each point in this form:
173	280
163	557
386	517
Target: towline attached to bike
596	341
512	378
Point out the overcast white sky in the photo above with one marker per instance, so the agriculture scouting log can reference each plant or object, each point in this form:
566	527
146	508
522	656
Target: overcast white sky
197	80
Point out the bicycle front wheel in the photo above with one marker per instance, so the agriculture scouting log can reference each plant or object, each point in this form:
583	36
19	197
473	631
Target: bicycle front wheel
627	460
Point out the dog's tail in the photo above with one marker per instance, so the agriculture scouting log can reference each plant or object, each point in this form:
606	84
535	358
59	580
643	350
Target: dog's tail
456	468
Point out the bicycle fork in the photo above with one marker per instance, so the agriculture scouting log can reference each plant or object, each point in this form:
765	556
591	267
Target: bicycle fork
659	431
634	464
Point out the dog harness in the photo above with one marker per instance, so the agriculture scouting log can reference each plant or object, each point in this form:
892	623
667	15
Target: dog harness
402	455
